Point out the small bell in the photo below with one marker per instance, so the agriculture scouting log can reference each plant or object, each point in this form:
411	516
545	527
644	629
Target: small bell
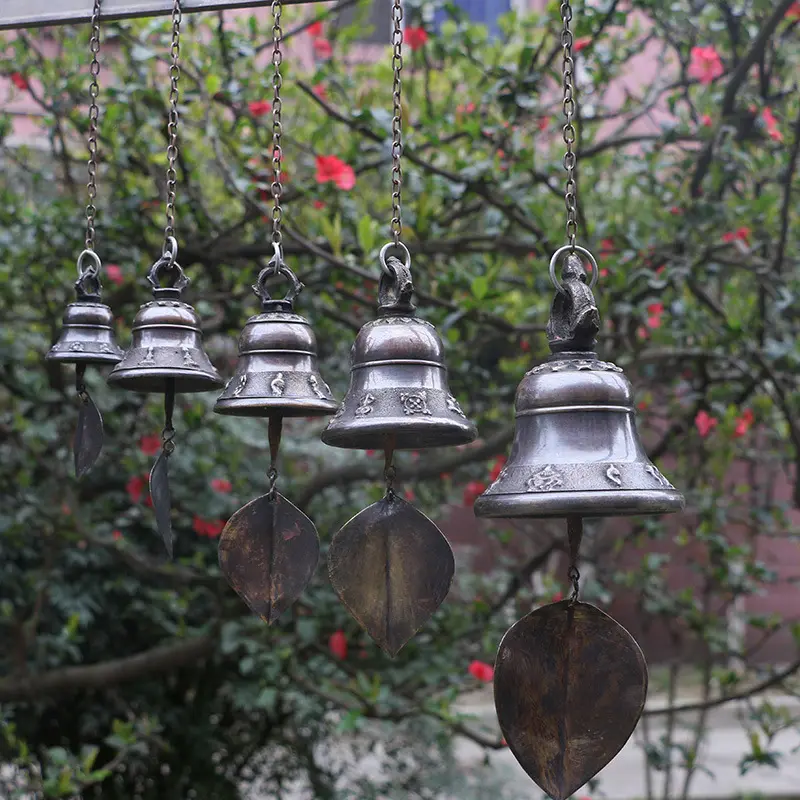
277	372
576	449
166	343
398	379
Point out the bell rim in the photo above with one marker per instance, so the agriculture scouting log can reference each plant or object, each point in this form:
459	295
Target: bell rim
187	381
372	436
84	358
267	406
594	503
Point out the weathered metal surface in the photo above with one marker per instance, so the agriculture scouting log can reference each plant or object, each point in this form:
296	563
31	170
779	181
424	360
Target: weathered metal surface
392	568
268	552
570	685
161	497
398	381
576	449
34	13
88	442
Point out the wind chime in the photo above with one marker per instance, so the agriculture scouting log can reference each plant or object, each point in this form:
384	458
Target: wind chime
570	682
390	565
166	353
87	336
269	549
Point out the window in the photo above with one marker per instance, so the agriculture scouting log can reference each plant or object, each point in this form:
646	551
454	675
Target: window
485	11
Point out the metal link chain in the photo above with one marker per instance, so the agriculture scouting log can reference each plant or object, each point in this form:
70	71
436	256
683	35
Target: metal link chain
94	112
277	128
172	124
570	158
397	121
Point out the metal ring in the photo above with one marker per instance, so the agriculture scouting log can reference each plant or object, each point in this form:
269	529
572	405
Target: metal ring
277	257
385	249
170	252
582	251
94	257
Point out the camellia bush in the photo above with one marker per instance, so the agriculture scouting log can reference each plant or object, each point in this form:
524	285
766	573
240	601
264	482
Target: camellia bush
125	676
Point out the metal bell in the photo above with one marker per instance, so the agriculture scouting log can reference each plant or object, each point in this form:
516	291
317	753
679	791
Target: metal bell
87	333
167	343
576	450
277	371
399	395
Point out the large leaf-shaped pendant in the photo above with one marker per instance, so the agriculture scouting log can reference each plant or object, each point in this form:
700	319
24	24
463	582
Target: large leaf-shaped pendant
88	441
570	685
392	568
268	552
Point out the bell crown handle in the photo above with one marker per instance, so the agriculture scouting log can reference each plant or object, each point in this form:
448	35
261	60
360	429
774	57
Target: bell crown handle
396	287
168	264
574	318
277	266
88	286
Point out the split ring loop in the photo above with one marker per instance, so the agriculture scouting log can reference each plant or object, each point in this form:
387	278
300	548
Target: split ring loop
583	251
170	253
385	249
94	269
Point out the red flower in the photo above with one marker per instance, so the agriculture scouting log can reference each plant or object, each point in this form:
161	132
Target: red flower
150	445
557	597
472	490
497	468
331	168
320	91
676	211
135	488
524	345
544	123
642	406
655	308
337	644
706	121
772	124
743	424
465	109
654	321
259	107
116	535
315	28
322	48
318	204
705	64
606	247
705	423
114	273
741	234
481	671
19	81
581	44
409	495
221	485
208	527
794	11
415	37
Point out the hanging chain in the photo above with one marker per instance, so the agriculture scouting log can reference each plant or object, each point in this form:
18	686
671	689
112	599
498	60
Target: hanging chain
172	125
397	121
94	112
570	159
277	128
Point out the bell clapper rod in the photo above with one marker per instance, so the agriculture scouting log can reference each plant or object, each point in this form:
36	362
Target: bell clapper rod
275	430
574	535
80	386
168	433
389	469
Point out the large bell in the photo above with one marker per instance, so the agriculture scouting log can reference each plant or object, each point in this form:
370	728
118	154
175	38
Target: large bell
277	371
399	395
166	343
576	449
87	333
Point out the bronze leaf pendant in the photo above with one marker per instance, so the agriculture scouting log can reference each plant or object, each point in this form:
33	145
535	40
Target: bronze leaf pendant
392	568
268	552
570	686
88	442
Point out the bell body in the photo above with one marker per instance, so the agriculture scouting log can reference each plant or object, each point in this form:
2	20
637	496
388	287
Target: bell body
576	449
277	371
166	344
399	393
87	335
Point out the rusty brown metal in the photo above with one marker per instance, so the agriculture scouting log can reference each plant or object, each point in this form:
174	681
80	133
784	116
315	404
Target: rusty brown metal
570	686
268	552
392	568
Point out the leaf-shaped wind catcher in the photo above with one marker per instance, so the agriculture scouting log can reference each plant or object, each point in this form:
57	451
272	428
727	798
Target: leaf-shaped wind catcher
570	685
88	443
392	568
160	495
